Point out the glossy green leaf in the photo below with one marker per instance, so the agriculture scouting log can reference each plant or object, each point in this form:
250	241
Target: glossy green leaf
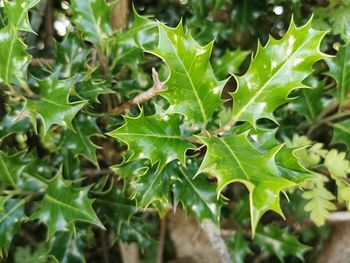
342	133
192	88
309	103
54	106
197	195
339	69
79	139
11	217
71	57
15	121
157	138
26	255
63	205
276	70
120	214
92	17
230	62
131	43
279	242
11	167
68	247
234	159
17	13
319	204
14	62
239	248
92	88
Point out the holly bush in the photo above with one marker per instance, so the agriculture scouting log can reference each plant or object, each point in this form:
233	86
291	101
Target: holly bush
108	127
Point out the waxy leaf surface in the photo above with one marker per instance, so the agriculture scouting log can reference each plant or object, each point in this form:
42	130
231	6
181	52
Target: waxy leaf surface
234	159
192	88
54	106
157	138
92	17
276	70
63	205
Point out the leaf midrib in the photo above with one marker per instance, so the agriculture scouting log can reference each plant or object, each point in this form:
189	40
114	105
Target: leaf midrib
236	159
60	203
7	172
192	85
240	112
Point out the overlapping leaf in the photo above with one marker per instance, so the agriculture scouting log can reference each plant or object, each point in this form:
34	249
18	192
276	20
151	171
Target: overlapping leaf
11	217
63	205
279	242
157	138
192	88
234	159
131	43
342	133
79	140
230	62
276	70
339	69
14	121
92	17
17	13
11	167
14	62
54	106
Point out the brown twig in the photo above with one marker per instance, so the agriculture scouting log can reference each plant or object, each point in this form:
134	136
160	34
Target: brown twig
160	248
141	98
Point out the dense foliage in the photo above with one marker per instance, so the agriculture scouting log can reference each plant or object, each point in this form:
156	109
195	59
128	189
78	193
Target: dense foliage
108	127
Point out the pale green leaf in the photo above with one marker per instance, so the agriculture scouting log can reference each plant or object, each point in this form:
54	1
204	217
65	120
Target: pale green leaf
234	159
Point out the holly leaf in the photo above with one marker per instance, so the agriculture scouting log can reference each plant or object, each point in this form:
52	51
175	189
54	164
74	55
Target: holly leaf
92	88
17	13
234	159
239	248
230	62
11	168
319	203
26	255
120	213
68	247
92	17
157	138
63	205
342	133
192	88
71	57
197	195
339	69
131	43
54	107
79	140
14	62
309	103
276	70
15	121
279	242
11	217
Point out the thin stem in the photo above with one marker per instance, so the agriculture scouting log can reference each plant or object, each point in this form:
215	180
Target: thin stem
141	98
